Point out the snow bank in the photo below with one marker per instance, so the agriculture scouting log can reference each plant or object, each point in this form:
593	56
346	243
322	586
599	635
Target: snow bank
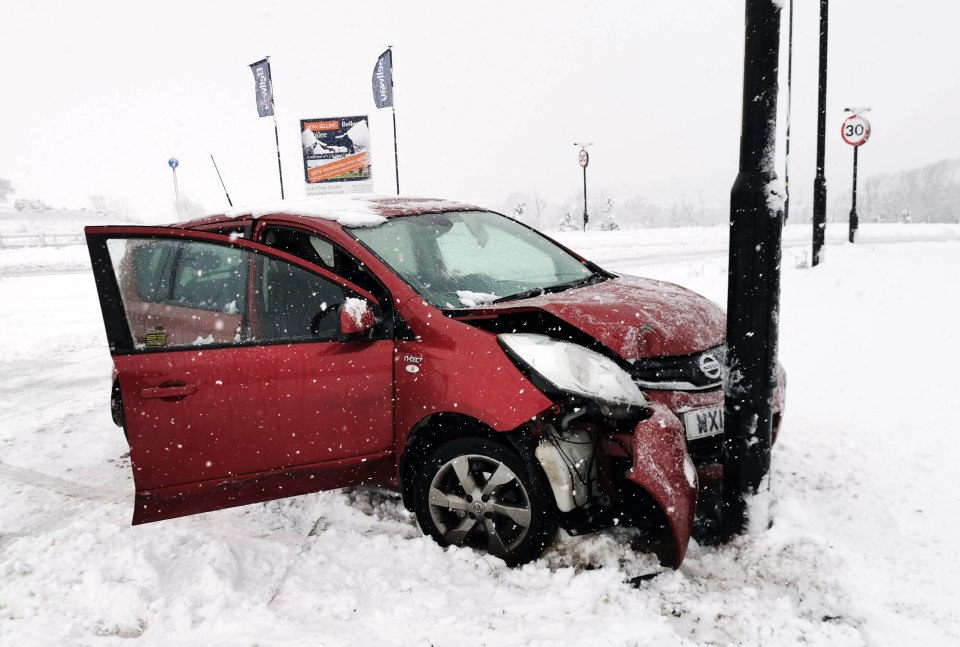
861	551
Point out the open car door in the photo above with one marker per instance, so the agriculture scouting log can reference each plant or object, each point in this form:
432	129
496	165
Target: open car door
243	377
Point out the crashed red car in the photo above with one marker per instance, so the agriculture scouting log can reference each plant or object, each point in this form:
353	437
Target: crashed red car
502	383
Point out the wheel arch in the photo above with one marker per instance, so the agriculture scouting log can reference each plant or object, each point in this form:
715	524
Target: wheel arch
439	428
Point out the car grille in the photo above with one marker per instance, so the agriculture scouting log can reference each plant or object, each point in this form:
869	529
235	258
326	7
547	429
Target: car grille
706	450
698	372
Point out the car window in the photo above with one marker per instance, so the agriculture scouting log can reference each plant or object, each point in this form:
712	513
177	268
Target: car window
295	304
320	251
182	293
462	259
152	264
208	277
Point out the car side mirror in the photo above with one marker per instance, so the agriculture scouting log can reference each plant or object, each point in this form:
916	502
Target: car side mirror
356	317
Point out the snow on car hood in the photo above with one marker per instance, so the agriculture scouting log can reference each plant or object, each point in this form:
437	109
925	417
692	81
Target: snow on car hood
635	317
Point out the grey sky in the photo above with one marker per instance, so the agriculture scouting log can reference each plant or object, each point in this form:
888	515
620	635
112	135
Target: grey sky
490	96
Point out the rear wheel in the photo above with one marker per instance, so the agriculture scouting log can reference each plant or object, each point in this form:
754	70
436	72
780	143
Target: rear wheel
475	492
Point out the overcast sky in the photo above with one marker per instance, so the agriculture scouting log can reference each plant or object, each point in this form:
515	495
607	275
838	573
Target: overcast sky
489	96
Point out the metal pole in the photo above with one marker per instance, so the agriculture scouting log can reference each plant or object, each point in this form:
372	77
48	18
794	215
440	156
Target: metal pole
276	136
229	201
786	163
586	218
393	109
753	291
854	220
176	192
820	181
276	133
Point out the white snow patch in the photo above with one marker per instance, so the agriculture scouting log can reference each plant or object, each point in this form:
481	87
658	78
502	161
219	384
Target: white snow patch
349	211
355	308
776	196
472	299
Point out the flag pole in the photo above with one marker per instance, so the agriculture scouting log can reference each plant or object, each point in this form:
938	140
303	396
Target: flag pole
393	109
276	132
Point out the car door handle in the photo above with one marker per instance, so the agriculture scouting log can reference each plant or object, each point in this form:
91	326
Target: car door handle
165	391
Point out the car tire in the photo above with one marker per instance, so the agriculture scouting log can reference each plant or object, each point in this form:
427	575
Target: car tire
476	492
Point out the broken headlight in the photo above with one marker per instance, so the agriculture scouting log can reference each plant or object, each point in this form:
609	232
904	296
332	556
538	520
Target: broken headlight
572	369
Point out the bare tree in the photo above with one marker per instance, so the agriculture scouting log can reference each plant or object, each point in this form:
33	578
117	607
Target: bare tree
539	205
6	189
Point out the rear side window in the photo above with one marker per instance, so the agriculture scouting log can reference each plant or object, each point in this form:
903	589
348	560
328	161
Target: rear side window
186	293
152	264
209	277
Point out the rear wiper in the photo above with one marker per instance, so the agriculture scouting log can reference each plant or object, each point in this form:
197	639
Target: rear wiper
595	277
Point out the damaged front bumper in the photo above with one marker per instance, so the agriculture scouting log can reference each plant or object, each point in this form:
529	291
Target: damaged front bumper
635	473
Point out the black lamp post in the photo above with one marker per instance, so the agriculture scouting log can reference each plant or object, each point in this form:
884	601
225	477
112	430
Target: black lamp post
753	291
820	182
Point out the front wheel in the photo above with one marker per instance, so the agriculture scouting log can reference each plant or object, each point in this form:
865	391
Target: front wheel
475	492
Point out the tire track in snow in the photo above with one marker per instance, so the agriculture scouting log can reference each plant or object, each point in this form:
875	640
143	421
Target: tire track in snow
73	497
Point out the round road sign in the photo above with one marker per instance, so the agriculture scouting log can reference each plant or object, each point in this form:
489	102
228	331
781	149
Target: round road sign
855	130
173	162
584	157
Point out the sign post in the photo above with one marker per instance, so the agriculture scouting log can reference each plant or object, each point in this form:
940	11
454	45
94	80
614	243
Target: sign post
584	159
174	163
855	131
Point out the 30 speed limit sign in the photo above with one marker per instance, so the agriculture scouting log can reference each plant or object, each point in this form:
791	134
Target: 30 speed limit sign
855	130
584	157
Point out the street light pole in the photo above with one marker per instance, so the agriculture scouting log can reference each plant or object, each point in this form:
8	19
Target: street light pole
820	181
753	275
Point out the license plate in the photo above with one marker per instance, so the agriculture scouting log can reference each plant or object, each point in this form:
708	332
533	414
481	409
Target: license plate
703	423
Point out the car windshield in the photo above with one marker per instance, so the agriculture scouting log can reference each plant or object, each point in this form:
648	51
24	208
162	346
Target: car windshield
472	258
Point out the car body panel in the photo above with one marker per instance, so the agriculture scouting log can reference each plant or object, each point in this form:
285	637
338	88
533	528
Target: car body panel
241	422
633	317
459	369
662	467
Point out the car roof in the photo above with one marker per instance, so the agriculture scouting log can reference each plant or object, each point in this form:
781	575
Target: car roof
349	211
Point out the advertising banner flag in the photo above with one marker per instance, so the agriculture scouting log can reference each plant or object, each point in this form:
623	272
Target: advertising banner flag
336	155
383	80
264	87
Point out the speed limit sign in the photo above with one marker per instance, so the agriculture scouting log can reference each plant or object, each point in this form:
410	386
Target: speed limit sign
855	130
584	157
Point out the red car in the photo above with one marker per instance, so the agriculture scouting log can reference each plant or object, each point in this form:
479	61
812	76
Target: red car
502	383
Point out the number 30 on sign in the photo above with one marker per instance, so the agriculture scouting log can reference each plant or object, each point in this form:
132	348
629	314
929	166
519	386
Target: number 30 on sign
855	130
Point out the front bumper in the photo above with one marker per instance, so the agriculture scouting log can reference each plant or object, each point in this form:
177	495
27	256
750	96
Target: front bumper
662	467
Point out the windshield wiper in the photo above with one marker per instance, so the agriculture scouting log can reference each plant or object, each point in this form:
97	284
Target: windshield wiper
594	277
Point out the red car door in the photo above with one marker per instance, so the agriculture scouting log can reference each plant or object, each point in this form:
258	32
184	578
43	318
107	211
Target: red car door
237	383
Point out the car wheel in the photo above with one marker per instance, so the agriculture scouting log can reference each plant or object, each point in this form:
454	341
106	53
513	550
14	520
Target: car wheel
475	492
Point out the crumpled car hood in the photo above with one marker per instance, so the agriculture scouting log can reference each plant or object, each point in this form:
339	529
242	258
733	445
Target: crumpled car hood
634	317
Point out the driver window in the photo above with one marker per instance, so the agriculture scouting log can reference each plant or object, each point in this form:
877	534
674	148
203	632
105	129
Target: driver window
294	304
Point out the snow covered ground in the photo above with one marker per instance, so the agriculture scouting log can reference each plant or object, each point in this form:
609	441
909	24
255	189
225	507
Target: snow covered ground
862	551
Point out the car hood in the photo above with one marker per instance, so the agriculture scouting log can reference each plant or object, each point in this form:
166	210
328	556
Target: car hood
634	317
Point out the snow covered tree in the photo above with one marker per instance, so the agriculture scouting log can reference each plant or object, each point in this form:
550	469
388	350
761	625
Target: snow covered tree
566	223
31	204
6	189
517	213
608	219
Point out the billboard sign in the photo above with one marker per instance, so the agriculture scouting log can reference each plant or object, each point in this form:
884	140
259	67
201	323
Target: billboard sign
336	155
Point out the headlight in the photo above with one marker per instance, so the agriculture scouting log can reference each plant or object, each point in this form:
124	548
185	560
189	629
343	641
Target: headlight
574	369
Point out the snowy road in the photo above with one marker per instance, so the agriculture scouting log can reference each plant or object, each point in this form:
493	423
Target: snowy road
862	551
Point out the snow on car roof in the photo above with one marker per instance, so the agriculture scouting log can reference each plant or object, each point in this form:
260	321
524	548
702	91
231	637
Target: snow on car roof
350	211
